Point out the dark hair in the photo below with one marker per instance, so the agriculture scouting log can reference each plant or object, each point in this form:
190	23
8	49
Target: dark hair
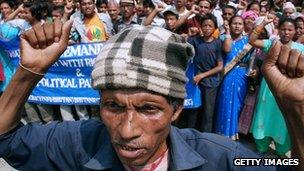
39	9
208	17
253	3
171	13
212	4
148	3
287	20
299	18
59	7
236	16
230	7
10	3
174	102
99	2
269	5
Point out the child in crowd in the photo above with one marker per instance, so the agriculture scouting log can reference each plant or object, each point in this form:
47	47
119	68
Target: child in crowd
102	6
209	64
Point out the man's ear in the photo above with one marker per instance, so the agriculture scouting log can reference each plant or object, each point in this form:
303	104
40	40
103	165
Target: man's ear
177	111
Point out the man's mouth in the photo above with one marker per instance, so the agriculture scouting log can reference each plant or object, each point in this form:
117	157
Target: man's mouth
130	152
128	148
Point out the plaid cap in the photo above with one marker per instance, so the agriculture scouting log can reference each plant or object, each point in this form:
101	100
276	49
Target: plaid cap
150	58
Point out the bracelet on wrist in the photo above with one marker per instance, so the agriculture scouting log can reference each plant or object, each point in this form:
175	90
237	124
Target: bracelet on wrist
31	71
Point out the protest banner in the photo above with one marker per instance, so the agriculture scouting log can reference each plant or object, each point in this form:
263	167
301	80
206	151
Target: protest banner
68	81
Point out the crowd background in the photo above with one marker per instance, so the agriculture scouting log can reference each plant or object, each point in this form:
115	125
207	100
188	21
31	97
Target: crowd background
230	38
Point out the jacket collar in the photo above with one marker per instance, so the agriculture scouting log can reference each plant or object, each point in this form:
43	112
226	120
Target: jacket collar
182	156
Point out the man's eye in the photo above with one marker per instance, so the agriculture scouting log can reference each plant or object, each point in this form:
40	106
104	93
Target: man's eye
148	109
113	106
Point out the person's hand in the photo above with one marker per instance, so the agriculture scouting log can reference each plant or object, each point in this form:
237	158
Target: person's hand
242	5
20	8
194	9
288	89
253	74
192	31
226	27
197	78
184	36
268	19
42	45
283	70
159	7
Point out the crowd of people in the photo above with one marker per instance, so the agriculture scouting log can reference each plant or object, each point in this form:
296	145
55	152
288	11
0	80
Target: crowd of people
230	38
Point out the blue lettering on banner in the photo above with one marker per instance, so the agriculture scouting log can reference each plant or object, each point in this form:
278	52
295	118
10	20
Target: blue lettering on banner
68	81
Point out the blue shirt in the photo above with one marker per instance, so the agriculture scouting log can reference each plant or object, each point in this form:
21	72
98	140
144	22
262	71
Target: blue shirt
207	54
86	145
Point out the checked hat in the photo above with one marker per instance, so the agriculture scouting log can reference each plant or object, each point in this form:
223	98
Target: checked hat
150	58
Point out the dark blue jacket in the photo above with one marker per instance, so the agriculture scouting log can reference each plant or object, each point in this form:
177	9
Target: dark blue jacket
86	145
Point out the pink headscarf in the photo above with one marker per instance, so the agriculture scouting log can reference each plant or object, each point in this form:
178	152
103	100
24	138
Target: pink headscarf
289	5
250	13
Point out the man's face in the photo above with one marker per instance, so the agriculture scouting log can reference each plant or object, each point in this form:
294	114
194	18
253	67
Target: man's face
113	11
87	7
56	14
180	4
299	28
228	13
204	7
147	10
170	20
189	4
208	27
127	9
138	123
27	15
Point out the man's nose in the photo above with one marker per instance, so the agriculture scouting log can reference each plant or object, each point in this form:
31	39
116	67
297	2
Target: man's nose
125	8
130	129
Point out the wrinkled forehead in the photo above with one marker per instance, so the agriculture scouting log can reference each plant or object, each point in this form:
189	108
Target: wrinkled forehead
127	91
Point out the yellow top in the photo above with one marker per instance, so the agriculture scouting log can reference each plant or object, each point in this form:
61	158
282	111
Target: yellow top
95	29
